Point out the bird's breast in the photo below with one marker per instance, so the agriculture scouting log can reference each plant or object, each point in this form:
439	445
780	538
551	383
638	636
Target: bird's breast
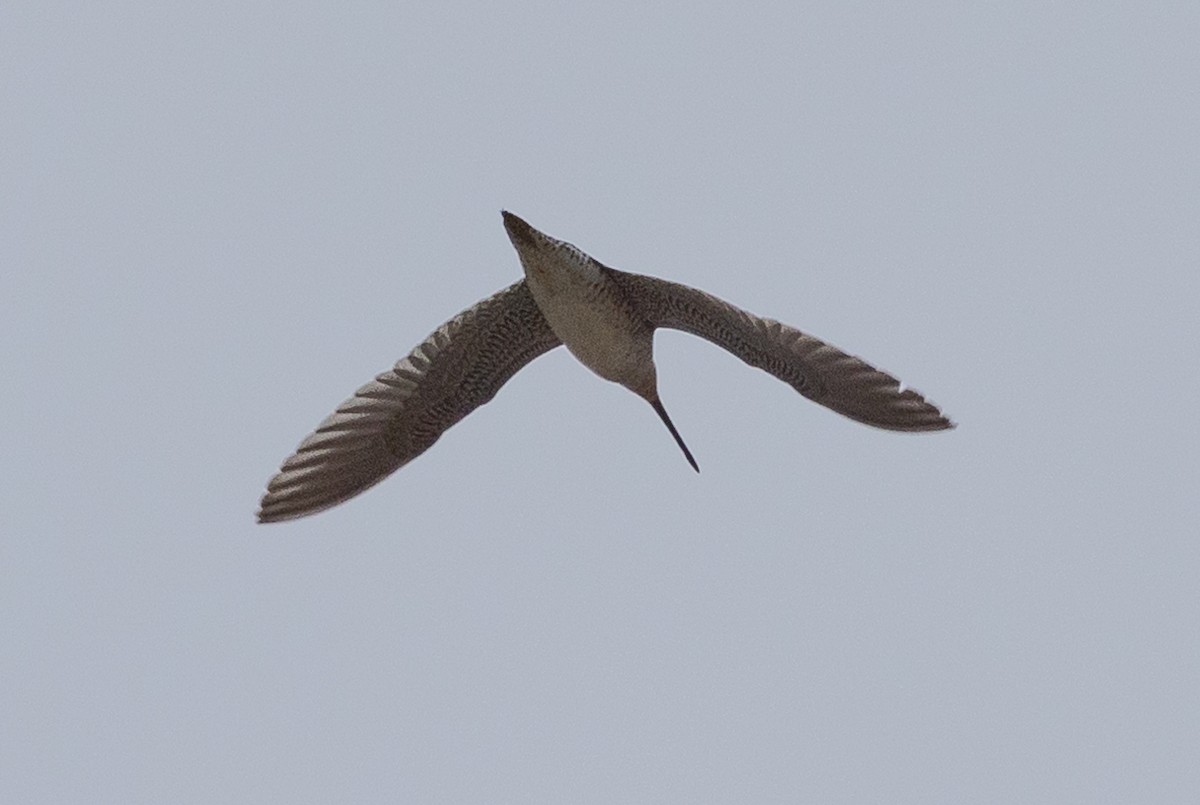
586	314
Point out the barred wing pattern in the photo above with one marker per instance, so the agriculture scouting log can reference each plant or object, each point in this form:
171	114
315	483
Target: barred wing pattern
393	419
820	372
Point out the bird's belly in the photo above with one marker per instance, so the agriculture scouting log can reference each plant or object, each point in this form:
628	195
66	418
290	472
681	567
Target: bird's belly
594	328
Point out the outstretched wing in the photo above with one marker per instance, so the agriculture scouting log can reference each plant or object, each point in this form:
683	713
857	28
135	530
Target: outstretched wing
821	372
393	419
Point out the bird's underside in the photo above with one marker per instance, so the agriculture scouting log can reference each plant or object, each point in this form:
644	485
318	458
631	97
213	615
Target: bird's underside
396	417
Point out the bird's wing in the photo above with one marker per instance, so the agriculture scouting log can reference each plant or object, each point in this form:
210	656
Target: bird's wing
393	419
821	372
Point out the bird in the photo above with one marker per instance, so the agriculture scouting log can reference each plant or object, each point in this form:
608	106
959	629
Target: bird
606	318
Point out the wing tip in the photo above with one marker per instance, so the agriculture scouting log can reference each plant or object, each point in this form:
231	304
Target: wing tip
909	413
297	503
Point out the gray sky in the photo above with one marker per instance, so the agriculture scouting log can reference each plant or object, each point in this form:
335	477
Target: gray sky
218	220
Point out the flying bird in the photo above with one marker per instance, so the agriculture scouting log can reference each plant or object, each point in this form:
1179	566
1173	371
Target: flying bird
607	319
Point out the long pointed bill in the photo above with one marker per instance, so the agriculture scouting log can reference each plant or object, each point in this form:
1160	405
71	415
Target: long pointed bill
662	412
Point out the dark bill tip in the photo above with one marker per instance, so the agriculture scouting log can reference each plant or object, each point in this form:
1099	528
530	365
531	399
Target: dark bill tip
662	413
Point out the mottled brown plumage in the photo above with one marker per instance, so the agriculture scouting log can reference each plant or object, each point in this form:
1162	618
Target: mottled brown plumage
607	319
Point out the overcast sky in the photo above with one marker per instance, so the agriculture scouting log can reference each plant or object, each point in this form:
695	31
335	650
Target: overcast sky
217	220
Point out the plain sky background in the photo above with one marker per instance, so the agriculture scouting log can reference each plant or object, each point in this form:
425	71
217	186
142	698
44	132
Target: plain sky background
219	219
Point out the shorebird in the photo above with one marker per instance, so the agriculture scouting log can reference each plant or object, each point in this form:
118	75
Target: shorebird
607	319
